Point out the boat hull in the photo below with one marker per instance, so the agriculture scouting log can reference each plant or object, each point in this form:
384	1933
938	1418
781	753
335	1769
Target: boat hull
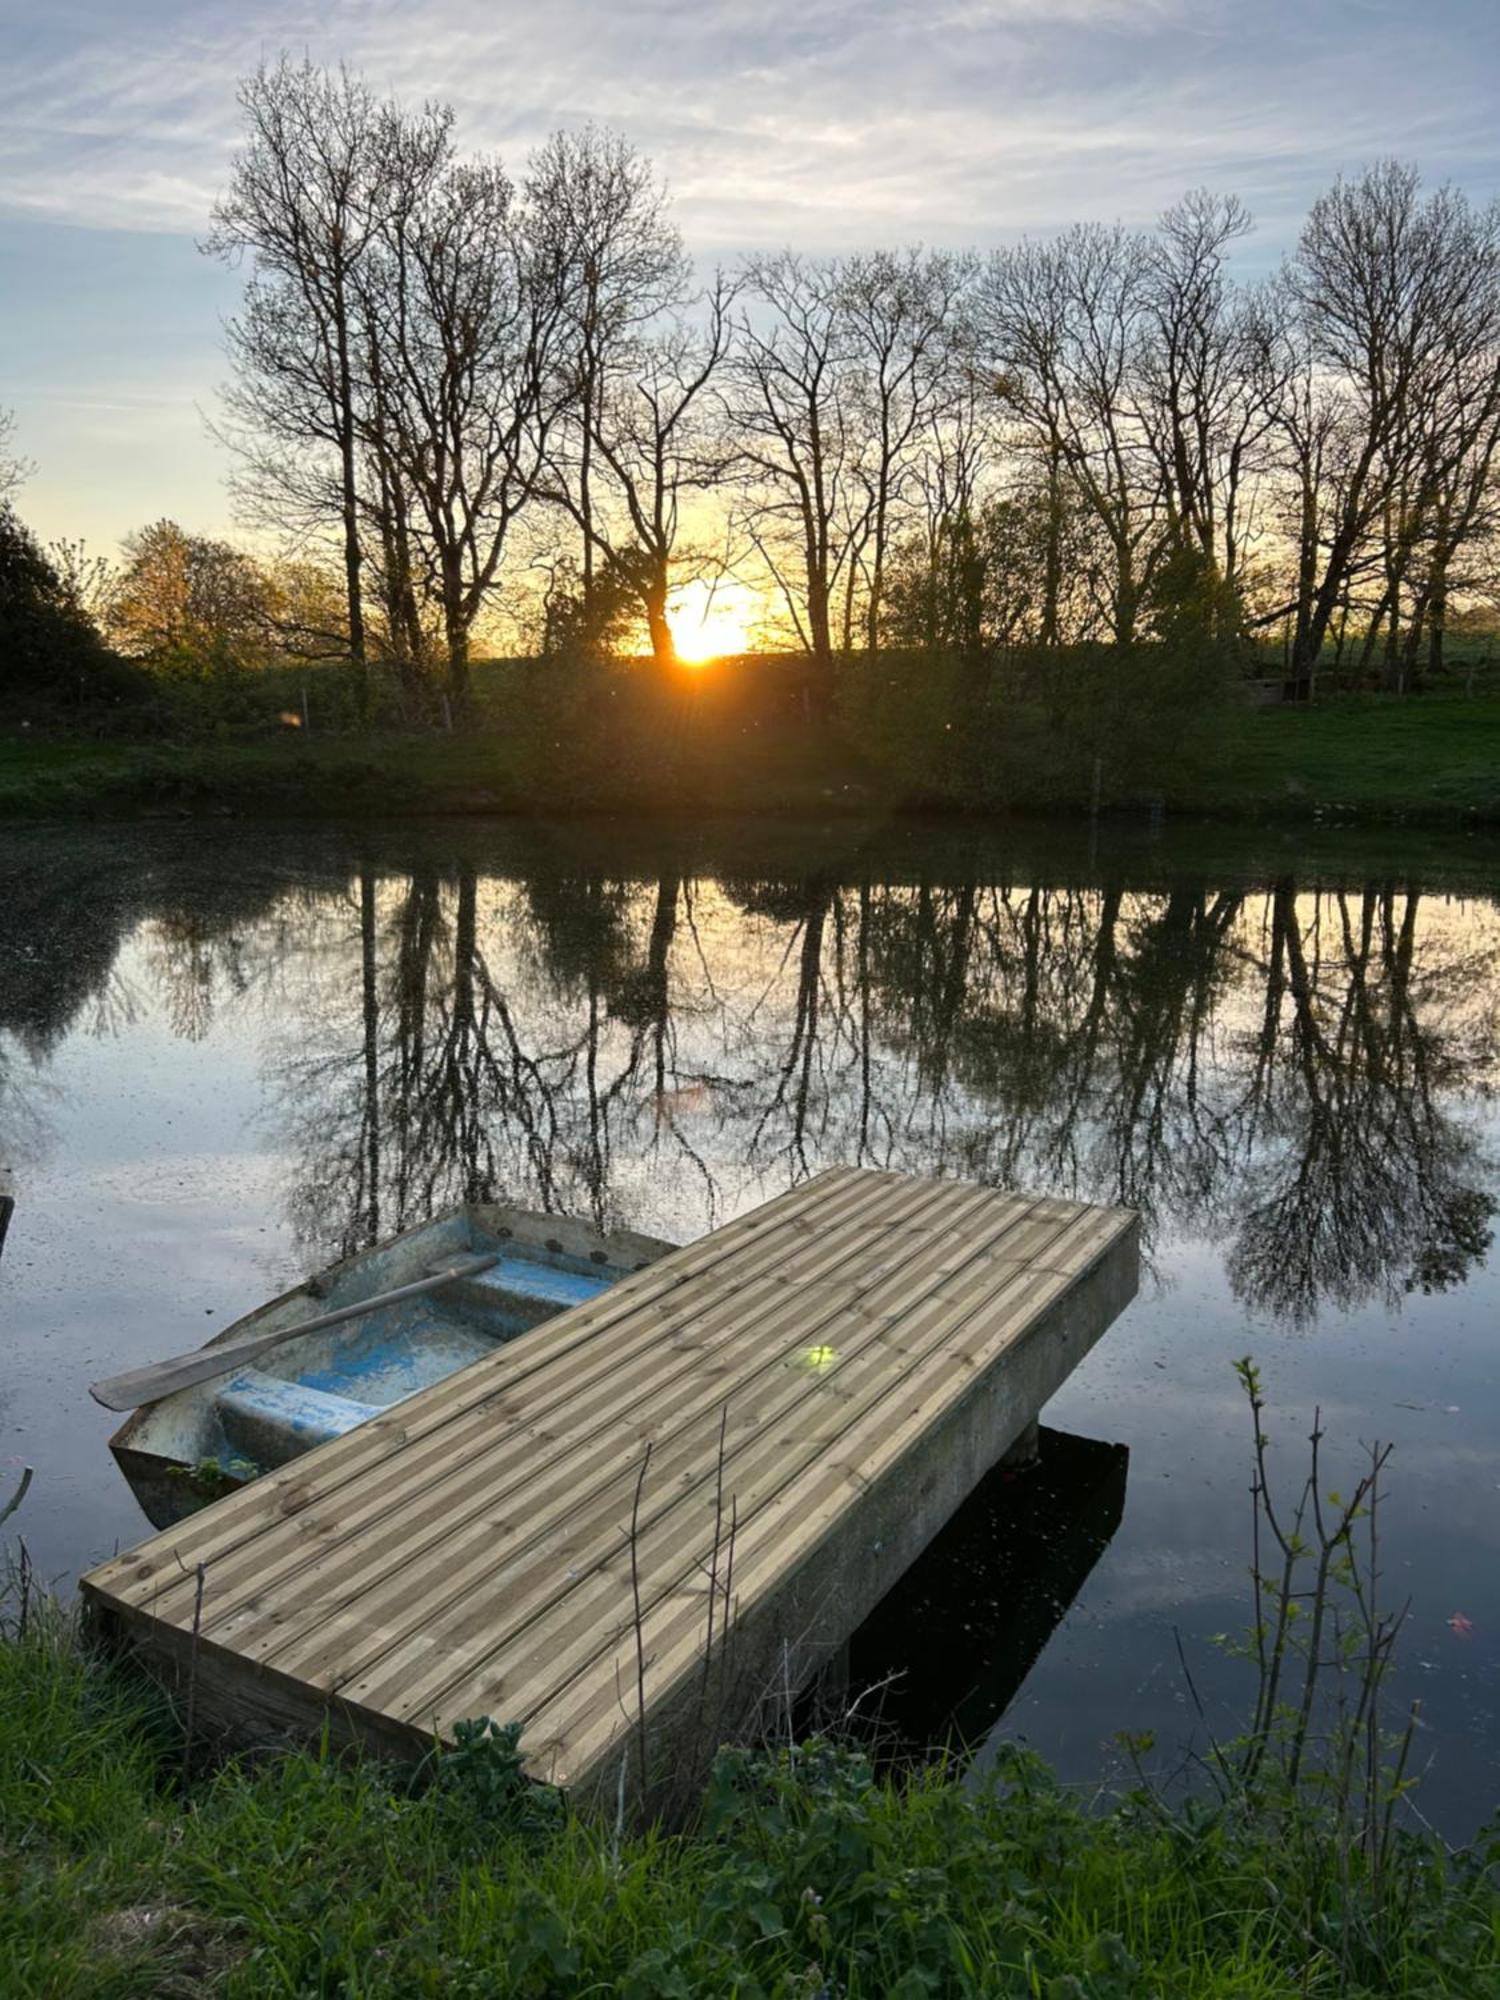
166	1489
190	1449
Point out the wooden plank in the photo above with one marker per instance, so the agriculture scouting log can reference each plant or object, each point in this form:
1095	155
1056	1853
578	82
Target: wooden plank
869	1344
555	1546
809	1603
434	1468
560	1577
761	1447
590	1426
670	1551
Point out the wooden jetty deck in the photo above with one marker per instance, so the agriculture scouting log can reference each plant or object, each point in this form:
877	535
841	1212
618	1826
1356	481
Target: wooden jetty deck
820	1383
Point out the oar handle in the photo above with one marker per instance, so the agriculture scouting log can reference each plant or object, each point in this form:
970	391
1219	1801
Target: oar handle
182	1371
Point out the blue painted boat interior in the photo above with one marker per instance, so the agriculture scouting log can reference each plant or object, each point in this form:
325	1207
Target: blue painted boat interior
267	1420
320	1386
522	1278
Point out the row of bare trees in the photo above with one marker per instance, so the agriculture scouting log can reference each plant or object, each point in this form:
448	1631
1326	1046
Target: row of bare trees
458	380
426	350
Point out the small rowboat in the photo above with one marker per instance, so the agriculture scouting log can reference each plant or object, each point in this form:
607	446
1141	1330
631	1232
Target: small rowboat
259	1411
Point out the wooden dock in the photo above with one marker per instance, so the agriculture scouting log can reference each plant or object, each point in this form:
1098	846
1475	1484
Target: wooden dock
818	1385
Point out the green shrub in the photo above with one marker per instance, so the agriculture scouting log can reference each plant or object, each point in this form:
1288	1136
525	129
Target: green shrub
53	662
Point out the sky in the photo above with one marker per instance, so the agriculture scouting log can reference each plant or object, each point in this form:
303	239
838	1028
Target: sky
824	124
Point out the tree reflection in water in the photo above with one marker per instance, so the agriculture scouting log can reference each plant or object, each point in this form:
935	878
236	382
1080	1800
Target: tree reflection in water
1281	1071
1290	1071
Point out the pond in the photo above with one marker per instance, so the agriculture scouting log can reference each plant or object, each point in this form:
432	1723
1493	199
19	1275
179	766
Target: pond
230	1054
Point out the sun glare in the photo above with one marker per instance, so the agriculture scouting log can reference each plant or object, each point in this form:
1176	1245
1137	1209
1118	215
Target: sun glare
709	620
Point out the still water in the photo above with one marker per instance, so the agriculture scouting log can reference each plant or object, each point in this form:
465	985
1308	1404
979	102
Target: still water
229	1055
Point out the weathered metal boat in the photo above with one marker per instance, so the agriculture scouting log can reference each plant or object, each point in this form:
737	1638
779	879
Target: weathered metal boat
474	1277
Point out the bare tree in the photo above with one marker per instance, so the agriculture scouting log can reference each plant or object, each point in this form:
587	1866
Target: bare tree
306	202
1055	449
14	469
1459	433
1062	324
794	439
403	569
601	221
1395	302
651	447
1209	376
468	309
907	321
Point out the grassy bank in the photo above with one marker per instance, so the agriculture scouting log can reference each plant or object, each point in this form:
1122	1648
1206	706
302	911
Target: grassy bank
298	1875
1433	759
396	774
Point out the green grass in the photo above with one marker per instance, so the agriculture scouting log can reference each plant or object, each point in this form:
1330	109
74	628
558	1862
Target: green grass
403	773
1430	757
302	1875
543	747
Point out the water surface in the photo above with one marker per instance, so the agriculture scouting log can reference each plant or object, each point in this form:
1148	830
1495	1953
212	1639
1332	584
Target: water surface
229	1055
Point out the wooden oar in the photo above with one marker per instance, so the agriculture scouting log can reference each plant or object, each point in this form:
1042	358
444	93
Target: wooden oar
181	1371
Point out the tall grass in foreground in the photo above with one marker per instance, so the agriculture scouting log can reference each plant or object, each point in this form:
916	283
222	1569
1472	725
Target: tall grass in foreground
807	1874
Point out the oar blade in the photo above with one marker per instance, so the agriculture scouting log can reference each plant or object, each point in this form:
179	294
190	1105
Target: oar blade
163	1378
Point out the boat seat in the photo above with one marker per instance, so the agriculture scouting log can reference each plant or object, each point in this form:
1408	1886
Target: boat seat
526	1292
269	1420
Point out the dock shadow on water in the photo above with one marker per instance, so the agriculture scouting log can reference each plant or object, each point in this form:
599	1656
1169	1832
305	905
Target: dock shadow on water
229	1056
986	1596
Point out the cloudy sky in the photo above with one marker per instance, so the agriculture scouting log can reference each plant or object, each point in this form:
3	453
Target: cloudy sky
821	123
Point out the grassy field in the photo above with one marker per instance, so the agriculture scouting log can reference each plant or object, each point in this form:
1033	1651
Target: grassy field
1434	759
807	1876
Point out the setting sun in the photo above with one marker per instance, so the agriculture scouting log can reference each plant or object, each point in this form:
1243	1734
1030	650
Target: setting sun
709	620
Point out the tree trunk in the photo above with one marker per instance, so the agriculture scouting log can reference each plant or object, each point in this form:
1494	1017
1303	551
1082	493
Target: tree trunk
408	612
1409	667
1437	619
1303	652
403	618
1052	579
585	482
1298	684
349	500
820	633
663	645
877	558
456	632
1127	596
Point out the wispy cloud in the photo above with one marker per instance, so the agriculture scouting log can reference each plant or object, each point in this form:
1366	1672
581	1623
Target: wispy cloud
811	121
821	123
